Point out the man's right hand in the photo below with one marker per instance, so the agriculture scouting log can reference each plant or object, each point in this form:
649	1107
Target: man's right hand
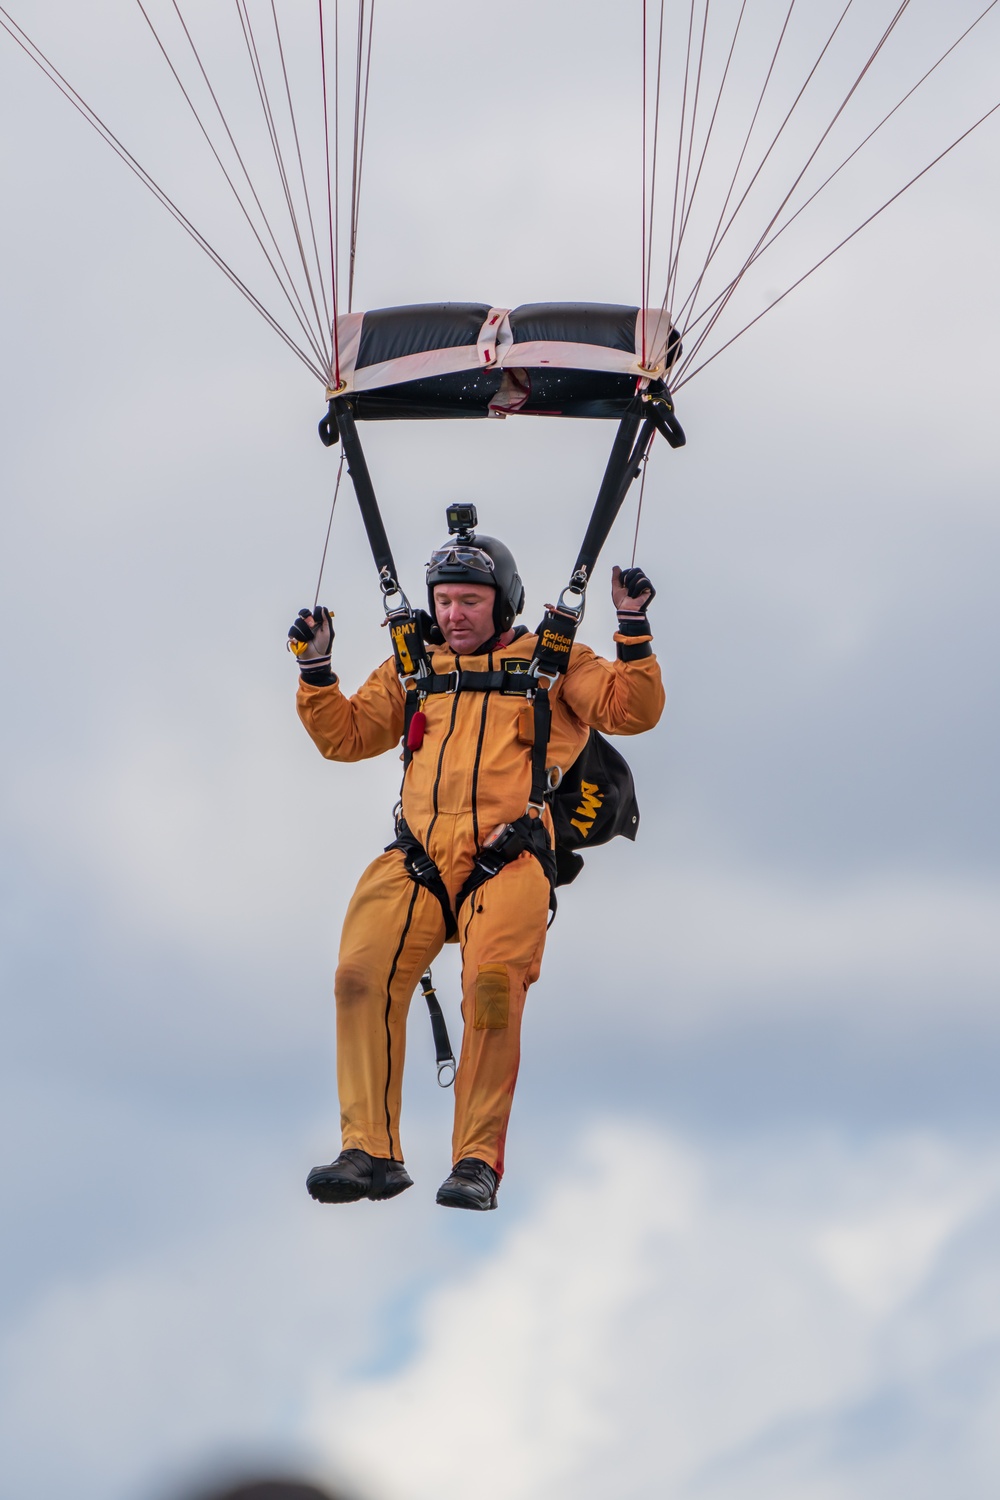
310	638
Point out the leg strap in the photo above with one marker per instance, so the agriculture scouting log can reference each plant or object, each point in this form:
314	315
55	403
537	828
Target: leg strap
421	868
525	833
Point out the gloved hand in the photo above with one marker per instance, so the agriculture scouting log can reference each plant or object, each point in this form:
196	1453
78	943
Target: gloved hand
631	591
310	639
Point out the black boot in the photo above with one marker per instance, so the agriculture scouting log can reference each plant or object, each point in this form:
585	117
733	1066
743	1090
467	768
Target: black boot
356	1175
472	1184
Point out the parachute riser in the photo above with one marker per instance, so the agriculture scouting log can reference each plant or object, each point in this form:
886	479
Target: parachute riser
341	417
408	648
628	453
561	621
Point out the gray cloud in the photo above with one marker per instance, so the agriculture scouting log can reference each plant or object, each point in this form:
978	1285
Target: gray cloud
801	945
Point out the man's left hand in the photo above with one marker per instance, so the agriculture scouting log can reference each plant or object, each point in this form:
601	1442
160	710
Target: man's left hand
631	591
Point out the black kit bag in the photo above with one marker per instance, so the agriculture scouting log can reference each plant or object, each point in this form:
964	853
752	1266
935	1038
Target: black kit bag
594	802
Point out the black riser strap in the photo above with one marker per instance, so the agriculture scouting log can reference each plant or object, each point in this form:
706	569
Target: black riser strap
600	521
624	466
364	489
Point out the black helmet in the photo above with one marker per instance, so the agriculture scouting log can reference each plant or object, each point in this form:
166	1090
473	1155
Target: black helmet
475	558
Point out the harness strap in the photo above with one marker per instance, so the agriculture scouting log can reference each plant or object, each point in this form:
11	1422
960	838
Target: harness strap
478	682
411	702
540	749
421	868
525	833
443	1055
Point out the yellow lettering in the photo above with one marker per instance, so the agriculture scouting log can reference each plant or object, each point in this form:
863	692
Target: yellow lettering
591	802
399	641
583	827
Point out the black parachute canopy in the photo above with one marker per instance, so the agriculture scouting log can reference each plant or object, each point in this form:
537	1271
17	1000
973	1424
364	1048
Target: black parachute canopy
467	359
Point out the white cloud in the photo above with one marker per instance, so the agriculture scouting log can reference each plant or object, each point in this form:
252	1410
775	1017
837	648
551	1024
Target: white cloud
665	1308
666	1315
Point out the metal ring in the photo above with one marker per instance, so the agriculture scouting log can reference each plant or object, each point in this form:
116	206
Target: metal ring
573	609
443	1082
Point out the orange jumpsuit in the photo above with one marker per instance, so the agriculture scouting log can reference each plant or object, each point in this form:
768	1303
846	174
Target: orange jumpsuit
471	773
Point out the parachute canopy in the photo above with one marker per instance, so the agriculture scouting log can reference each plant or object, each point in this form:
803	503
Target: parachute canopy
751	114
468	359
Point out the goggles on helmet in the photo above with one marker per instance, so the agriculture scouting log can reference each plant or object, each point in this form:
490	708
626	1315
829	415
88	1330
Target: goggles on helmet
464	556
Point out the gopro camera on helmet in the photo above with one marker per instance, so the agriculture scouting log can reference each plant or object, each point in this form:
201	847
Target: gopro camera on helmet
462	520
475	558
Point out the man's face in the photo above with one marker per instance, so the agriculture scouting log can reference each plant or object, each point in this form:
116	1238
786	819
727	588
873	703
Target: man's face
465	614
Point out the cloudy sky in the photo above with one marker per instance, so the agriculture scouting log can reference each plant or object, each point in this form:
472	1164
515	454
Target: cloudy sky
748	1239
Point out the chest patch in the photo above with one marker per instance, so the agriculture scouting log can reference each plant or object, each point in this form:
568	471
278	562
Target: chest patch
515	666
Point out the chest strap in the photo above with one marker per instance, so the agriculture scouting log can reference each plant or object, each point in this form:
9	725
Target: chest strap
519	683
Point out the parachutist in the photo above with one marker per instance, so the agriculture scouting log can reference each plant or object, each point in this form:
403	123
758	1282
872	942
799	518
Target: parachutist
498	727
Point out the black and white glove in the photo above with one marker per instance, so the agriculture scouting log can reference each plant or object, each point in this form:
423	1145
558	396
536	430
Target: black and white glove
310	640
631	592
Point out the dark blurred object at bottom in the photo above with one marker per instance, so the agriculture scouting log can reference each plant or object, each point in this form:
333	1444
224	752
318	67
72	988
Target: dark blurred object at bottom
266	1489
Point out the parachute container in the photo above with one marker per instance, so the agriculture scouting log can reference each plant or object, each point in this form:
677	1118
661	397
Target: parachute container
467	359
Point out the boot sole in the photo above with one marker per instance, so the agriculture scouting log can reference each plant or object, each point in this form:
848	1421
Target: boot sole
462	1200
391	1191
334	1191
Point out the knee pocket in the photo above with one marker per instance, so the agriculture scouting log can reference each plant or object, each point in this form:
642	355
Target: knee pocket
492	1010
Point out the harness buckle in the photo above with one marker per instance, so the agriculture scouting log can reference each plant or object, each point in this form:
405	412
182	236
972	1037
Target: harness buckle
423	866
545	680
453	682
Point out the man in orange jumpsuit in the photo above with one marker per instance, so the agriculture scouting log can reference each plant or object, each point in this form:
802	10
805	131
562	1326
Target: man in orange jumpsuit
469	777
